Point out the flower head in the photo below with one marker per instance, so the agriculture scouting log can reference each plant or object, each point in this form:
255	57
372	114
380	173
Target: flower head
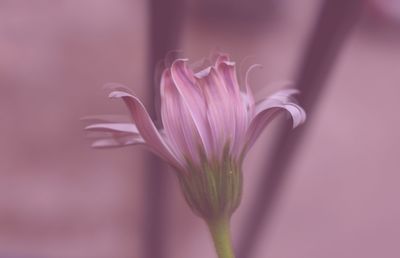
208	125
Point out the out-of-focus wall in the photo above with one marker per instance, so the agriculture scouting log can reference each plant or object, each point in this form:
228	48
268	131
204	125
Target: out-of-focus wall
58	197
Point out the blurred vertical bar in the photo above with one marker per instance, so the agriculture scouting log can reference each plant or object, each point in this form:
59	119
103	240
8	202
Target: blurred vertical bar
335	21
165	22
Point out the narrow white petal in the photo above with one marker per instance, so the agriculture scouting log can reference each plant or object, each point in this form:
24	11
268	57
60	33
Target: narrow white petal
114	128
114	142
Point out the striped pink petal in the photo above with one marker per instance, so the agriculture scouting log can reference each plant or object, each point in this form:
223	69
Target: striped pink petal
146	127
179	122
191	97
220	114
227	73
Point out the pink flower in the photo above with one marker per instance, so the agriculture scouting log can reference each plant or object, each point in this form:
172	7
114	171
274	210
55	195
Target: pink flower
208	125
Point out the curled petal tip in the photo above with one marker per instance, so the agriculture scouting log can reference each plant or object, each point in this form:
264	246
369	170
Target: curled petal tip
119	94
229	63
179	61
300	118
203	73
88	128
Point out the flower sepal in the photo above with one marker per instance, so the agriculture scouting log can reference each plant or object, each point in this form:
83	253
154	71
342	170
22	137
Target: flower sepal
213	188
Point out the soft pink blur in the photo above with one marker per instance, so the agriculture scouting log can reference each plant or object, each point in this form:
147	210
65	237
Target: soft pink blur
59	198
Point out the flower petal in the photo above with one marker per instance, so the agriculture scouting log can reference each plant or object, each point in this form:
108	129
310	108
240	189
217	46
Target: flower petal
146	127
249	99
284	99
192	97
118	141
220	111
221	58
227	73
114	128
185	82
203	73
178	121
268	109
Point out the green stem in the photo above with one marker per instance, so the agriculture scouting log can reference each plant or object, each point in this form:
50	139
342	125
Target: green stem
220	232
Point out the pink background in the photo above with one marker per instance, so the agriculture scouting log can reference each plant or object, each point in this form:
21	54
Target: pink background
59	198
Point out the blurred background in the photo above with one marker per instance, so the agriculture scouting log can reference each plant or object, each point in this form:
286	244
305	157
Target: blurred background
60	198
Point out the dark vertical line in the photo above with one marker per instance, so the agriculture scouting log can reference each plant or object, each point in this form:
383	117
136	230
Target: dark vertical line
336	18
165	22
